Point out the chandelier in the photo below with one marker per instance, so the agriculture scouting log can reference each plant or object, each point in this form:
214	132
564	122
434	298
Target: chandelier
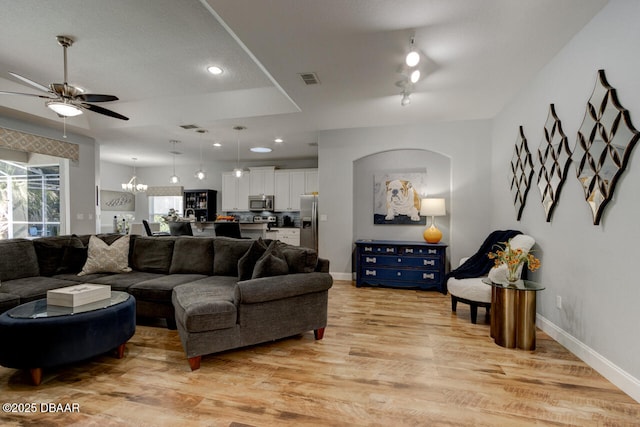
133	186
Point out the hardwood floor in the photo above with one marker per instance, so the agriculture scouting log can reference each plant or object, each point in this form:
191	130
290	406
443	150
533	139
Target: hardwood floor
388	358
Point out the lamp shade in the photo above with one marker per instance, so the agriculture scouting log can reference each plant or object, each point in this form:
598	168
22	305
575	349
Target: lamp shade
432	207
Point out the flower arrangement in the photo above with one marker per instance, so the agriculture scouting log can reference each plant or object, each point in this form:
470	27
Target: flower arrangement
513	259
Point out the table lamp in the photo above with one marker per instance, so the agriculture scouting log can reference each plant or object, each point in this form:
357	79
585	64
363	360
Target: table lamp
432	208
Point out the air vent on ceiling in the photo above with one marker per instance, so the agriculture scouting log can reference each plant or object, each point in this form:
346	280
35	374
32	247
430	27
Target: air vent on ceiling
189	126
309	78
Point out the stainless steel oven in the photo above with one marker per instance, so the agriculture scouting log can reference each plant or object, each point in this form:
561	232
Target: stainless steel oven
260	203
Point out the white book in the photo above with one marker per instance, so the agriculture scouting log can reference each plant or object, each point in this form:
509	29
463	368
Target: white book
73	296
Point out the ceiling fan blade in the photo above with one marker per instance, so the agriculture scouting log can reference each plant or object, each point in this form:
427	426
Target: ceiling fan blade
30	82
27	94
92	97
101	110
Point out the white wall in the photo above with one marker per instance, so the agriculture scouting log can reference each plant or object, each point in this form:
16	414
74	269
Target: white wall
467	144
590	267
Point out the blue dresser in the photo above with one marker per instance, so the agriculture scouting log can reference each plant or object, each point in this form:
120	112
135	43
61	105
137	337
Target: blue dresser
400	264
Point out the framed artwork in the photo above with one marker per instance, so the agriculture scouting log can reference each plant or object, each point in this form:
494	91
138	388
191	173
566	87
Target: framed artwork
396	197
117	201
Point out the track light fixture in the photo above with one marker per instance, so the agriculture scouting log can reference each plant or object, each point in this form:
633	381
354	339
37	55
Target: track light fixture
411	73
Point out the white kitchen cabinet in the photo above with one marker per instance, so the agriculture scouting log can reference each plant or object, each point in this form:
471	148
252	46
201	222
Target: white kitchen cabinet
290	236
311	181
289	185
261	180
235	192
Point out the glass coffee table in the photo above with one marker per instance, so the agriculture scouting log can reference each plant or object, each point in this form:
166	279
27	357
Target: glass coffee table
35	335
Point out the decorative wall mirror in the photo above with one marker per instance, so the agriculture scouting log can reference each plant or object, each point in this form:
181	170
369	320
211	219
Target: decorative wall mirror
554	156
605	140
521	173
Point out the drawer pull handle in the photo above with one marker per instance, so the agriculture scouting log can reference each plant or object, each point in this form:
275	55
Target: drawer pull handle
409	250
428	276
368	249
399	260
432	251
372	260
398	274
389	249
369	272
429	262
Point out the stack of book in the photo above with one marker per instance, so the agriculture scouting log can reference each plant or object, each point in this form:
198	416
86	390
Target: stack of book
76	295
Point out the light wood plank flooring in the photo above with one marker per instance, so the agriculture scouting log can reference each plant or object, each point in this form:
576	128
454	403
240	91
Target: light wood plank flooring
388	358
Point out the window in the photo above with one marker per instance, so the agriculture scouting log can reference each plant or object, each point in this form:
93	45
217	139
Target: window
29	200
159	207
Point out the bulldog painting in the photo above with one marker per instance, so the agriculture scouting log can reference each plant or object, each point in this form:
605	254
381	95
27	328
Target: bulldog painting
402	199
397	197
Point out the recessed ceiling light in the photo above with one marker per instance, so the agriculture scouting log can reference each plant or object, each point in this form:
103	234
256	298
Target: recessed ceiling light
261	149
217	144
215	70
278	140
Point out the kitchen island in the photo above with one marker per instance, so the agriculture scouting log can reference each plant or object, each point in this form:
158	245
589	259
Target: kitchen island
250	230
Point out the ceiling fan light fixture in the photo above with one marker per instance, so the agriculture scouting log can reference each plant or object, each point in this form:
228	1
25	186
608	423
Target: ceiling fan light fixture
64	109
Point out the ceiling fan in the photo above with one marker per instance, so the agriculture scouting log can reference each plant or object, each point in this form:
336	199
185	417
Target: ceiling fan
67	100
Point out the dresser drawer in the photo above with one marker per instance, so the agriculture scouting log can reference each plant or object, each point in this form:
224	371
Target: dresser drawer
375	249
398	261
416	277
419	251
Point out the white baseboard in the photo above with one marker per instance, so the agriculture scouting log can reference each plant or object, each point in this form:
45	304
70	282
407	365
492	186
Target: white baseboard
626	382
341	276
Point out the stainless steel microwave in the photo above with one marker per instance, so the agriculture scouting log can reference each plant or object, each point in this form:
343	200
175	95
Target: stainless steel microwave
260	203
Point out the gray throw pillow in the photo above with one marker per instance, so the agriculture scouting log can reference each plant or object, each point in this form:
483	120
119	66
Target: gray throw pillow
299	259
271	263
247	262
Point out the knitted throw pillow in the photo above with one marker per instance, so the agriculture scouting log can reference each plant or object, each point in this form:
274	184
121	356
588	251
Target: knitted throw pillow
104	258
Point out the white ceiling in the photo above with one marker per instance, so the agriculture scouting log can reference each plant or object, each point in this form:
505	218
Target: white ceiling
153	55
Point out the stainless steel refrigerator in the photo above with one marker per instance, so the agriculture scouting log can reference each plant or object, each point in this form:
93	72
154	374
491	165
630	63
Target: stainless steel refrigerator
309	221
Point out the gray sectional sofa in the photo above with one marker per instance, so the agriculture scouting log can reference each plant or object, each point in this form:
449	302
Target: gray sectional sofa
220	293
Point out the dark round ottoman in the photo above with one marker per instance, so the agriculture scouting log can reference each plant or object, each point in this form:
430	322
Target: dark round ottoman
55	337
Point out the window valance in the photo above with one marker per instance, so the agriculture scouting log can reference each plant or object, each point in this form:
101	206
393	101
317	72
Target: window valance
172	190
22	141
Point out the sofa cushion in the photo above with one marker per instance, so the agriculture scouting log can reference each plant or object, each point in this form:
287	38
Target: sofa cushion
247	262
226	254
207	304
18	259
122	281
33	288
104	258
192	255
160	288
271	263
152	254
299	259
